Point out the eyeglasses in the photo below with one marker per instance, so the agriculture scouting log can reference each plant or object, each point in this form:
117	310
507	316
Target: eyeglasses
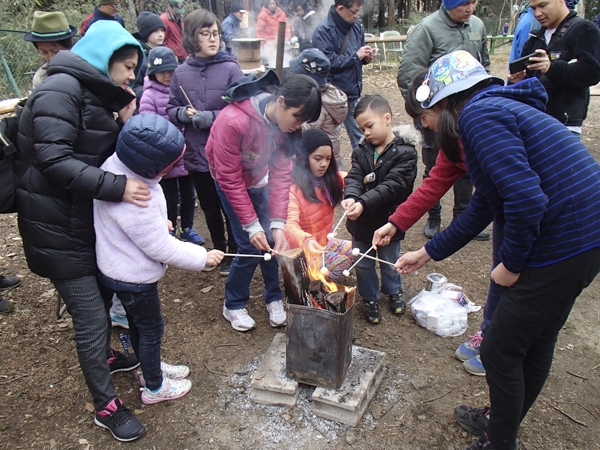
354	13
114	5
209	34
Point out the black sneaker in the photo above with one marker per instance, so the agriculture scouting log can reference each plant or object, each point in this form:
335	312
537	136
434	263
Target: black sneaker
121	422
8	282
432	228
226	265
6	306
472	419
483	443
118	362
372	313
397	305
483	236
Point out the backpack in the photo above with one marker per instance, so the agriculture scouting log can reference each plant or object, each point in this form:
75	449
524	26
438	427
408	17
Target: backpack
9	179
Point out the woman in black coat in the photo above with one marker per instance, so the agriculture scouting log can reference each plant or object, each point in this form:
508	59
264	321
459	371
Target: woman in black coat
66	131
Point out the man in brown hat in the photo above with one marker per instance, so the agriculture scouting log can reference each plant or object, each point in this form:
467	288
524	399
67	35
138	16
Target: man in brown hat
106	10
50	33
173	19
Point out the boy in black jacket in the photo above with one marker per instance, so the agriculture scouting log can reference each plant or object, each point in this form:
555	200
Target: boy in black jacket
384	167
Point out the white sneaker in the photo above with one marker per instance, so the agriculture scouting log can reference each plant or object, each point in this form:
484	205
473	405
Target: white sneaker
170	371
239	318
277	314
170	390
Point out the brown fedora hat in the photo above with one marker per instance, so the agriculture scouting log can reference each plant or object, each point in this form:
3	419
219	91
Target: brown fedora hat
49	27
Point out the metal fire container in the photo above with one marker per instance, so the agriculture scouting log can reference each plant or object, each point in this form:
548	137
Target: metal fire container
247	52
319	344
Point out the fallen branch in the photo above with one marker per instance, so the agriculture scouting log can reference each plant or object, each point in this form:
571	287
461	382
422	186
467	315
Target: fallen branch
575	375
596	366
416	388
14	379
214	371
565	414
390	408
437	398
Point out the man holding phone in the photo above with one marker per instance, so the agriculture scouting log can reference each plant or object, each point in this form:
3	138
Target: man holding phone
566	61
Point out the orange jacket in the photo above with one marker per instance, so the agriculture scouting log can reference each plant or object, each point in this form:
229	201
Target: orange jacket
307	220
267	24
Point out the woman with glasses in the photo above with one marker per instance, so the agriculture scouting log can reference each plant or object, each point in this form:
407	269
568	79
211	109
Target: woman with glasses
195	100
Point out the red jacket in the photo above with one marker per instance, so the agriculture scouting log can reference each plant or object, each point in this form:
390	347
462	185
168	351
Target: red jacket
241	149
173	35
441	178
267	24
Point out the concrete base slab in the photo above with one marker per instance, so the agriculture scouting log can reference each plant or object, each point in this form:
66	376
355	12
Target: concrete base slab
269	384
348	403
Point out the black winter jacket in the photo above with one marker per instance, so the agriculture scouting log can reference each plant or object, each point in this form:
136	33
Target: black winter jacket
575	66
68	128
395	174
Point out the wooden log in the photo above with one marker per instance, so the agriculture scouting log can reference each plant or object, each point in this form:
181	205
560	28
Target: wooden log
296	281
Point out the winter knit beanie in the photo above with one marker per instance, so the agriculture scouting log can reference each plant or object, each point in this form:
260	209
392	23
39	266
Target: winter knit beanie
106	2
571	4
161	59
451	4
148	23
314	138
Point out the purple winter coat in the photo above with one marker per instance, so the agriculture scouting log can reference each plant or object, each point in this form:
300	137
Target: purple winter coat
154	101
204	80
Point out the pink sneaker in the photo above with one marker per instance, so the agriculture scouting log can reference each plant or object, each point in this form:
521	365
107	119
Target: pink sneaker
170	371
170	390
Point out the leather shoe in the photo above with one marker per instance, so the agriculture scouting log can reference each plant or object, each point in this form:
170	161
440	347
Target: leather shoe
432	228
9	282
483	236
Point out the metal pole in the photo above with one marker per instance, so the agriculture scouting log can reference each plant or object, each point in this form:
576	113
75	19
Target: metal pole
280	49
11	80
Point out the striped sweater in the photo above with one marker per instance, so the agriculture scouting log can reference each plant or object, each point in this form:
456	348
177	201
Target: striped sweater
533	177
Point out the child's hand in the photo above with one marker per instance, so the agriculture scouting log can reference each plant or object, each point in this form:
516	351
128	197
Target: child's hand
504	277
214	257
355	211
281	243
136	192
313	246
190	111
347	203
409	262
170	226
259	240
384	235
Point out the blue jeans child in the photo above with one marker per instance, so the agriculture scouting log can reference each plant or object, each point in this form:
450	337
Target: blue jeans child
237	286
366	273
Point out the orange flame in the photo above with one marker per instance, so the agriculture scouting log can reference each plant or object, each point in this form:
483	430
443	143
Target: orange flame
314	263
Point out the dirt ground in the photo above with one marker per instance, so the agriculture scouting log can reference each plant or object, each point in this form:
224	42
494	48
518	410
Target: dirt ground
44	398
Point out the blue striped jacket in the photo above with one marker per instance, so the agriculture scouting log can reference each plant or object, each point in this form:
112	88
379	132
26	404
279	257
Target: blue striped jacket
533	177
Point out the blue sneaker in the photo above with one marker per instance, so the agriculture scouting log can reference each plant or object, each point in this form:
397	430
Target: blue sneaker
474	366
189	235
119	321
469	349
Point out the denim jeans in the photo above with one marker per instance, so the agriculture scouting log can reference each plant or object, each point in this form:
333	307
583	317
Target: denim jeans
146	327
237	286
366	273
91	322
180	188
350	124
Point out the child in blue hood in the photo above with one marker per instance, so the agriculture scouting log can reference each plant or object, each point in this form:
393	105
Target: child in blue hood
542	187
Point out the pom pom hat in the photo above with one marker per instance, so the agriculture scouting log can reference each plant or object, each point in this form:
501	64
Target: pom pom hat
449	74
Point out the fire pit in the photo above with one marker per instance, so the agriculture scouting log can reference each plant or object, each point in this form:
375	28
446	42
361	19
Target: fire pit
319	324
247	51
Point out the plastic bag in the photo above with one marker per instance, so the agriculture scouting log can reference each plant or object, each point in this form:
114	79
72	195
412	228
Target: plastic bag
443	311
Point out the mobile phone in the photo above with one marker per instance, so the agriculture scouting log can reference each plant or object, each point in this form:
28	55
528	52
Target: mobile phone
518	65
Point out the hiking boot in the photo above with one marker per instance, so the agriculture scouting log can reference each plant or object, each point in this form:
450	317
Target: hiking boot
190	235
9	282
469	349
372	313
6	306
118	362
277	315
483	236
472	419
474	366
118	320
239	318
169	390
432	228
483	443
121	422
226	265
397	305
170	371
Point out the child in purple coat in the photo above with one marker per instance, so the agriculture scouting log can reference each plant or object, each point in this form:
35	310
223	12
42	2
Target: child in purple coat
177	183
194	102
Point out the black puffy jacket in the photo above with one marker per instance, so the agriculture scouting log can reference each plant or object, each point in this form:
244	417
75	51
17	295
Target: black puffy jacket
395	174
69	129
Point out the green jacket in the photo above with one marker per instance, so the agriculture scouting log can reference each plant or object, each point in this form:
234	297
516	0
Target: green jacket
437	35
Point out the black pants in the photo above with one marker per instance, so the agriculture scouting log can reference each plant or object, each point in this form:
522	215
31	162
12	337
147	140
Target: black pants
519	344
174	189
463	189
210	202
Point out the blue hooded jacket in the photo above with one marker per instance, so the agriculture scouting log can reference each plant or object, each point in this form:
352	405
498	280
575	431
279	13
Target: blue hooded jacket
534	178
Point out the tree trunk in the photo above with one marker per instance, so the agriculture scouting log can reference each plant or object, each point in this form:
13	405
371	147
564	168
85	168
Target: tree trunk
381	16
391	13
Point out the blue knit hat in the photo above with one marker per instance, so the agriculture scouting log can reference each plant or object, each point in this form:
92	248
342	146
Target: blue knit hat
451	4
161	59
449	74
314	63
